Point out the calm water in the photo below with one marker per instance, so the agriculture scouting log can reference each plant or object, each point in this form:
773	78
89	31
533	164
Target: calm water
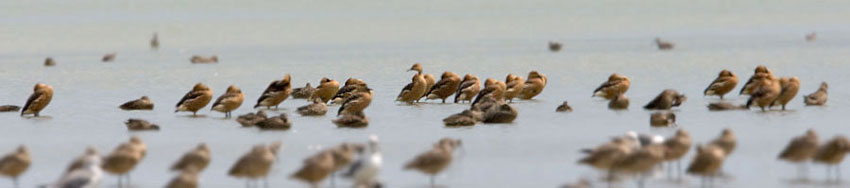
377	41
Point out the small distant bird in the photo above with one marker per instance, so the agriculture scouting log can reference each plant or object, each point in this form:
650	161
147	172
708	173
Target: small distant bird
317	108
109	57
533	86
251	119
677	147
435	160
185	179
663	45
203	60
832	154
504	113
303	92
195	160
155	42
564	107
143	103
356	120
277	122
789	88
801	149
554	46
366	168
724	83
14	164
465	118
40	98
469	87
761	72
708	162
326	90
124	159
663	118
356	102
811	37
448	85
665	100
620	102
254	165
514	85
726	141
194	100
9	108
85	172
615	86
416	88
229	101
49	62
140	125
818	98
275	93
720	106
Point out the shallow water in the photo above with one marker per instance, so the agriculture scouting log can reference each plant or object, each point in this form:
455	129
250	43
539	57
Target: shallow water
261	41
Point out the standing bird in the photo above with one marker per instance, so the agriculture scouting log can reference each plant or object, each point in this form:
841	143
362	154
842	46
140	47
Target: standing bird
40	98
155	42
468	88
761	72
366	168
85	172
533	86
275	93
14	164
492	88
316	168
554	46
435	160
615	86
444	88
186	179
663	45
416	88
195	160
124	158
134	124
818	98
604	156
229	101
620	102
708	162
430	81
789	88
326	90
677	147
667	99
800	150
564	108
514	86
49	62
194	100
640	162
110	57
254	165
726	141
350	86
356	102
143	103
303	92
317	108
724	83
831	154
765	92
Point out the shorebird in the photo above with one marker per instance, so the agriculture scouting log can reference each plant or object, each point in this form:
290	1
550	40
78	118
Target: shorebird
356	120
640	162
615	86
134	124
663	45
49	62
416	88
109	57
789	88
351	85
564	107
430	81
448	85
765	92
620	102
315	168
831	154
724	83
818	98
254	165
229	101
514	86
277	122
275	93
194	100
356	102
707	163
465	118
368	165
434	161
40	98
193	161
303	92
317	108
9	108
761	72
186	179
85	172
662	118
677	147
666	100
343	156
326	89
604	156
124	158
203	60
726	141
554	46
251	119
14	164
800	150
143	103
720	106
155	42
468	88
533	86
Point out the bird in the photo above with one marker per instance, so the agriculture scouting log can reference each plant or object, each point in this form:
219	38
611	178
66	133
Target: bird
16	163
49	62
9	108
343	156
720	106
203	60
831	153
356	120
726	141
677	147
143	103
800	150
564	107
280	122
326	89
761	72
533	86
40	98
303	92
724	83
554	46
708	162
435	160
193	161
665	100
135	124
493	88
85	172
416	88
350	86
662	118
464	118
616	85
155	42
430	81
504	113
514	86
811	37
251	119
229	101
315	168
275	93
254	165
765	93
818	98
469	87
78	162
620	102
185	179
194	100
366	168
317	108
604	156
663	45
110	57
448	85
640	162
788	90
643	139
356	102
124	159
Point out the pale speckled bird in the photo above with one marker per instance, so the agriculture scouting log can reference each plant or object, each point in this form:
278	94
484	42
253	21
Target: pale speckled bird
708	162
788	90
726	141
196	160
677	147
254	165
818	98
832	153
229	101
124	159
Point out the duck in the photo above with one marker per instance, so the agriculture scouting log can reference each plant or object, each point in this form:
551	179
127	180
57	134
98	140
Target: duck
229	101
469	87
788	90
196	59
667	99
135	124
765	92
110	57
533	86
275	93
251	119
326	89
818	98
448	85
504	113
724	83
356	102
430	81
350	85
620	102
664	45
155	42
514	86
303	92
492	87
464	118
143	103
761	72
616	85
416	88
554	46
317	108
356	120
49	62
194	100
564	107
38	100
280	122
663	118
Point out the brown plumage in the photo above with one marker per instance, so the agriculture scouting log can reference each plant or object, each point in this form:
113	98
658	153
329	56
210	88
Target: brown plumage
317	108
194	100
724	83
280	122
640	162
255	164
275	93
677	147
143	103
326	89
195	160
801	148
604	156
134	124
49	62
615	86
16	163
663	118
664	45
726	141
303	92
492	88
533	86
229	101
832	152
503	113
465	118
430	81
514	86
351	85
564	107
155	42
435	160
811	37
765	92
124	158
356	102
185	179
448	85
620	102
708	161
9	108
554	46
788	90
416	88
720	106
356	120
109	57
469	87
251	119
818	98
203	60
665	100
40	98
315	168
761	72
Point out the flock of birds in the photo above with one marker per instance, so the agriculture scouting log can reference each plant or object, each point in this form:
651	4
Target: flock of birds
632	154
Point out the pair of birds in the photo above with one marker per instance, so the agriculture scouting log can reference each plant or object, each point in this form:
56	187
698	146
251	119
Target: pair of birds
201	95
806	148
425	86
363	164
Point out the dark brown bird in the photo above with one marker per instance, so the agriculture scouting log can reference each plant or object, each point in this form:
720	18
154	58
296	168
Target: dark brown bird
818	98
564	108
801	149
251	119
317	108
275	93
303	92
109	57
666	100
134	124
663	118
620	102
356	120
465	118
49	62
435	160
9	108
721	106
504	113
664	45
277	122
143	103
155	42
554	46
724	83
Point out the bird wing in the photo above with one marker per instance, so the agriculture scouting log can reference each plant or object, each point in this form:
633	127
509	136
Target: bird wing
225	97
348	100
192	95
35	97
717	83
603	86
406	89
